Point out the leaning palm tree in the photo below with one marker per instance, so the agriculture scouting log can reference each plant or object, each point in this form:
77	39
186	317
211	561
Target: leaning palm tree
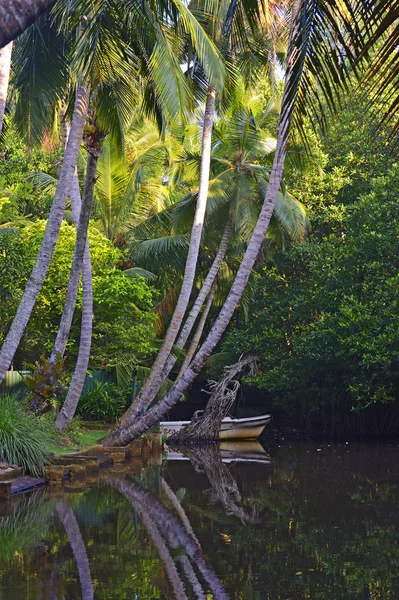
145	21
234	37
103	111
326	38
240	168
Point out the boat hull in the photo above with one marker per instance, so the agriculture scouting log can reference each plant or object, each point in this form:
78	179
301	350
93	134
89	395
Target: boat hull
231	429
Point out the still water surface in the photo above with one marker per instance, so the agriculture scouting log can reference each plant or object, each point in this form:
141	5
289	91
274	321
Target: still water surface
315	521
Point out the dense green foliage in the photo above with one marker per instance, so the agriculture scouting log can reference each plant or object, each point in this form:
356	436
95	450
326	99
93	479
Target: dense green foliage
325	318
24	439
104	402
122	319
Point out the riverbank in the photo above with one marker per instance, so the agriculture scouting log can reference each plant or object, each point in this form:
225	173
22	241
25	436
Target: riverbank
80	467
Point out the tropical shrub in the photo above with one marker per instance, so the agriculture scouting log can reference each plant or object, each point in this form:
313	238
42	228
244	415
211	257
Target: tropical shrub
24	438
325	317
105	402
122	305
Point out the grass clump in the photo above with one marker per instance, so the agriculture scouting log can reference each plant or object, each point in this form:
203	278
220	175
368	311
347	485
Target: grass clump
24	438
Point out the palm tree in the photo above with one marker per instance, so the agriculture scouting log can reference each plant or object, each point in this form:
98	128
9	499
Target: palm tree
51	233
130	190
320	30
94	142
69	407
17	16
95	46
234	17
240	176
5	67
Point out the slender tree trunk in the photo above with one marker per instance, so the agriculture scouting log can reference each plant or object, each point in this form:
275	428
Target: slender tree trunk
197	336
130	429
17	15
204	291
68	409
70	302
5	67
56	215
67	315
155	379
68	519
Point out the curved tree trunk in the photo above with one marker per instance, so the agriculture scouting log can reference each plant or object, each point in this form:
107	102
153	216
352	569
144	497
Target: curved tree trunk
204	291
68	519
56	215
129	429
67	316
68	409
197	336
70	302
5	67
17	15
155	379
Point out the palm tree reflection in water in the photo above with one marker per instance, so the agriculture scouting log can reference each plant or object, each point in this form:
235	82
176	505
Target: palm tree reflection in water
165	530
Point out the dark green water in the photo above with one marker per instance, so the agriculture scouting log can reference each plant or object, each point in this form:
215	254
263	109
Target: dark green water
318	522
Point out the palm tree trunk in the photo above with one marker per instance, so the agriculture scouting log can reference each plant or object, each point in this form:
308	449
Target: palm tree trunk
197	336
56	215
68	519
155	379
129	430
5	67
17	15
204	291
70	302
76	205
68	409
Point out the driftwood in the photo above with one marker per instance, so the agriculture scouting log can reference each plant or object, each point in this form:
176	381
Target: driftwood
222	398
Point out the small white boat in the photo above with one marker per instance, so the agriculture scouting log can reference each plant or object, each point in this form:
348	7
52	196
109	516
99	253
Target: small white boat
248	428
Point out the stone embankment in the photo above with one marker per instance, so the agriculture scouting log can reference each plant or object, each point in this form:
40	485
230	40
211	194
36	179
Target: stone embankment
78	469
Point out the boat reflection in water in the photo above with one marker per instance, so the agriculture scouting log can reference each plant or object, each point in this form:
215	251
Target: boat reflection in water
228	452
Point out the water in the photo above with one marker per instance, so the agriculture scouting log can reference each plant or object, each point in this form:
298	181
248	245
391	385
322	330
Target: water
316	521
